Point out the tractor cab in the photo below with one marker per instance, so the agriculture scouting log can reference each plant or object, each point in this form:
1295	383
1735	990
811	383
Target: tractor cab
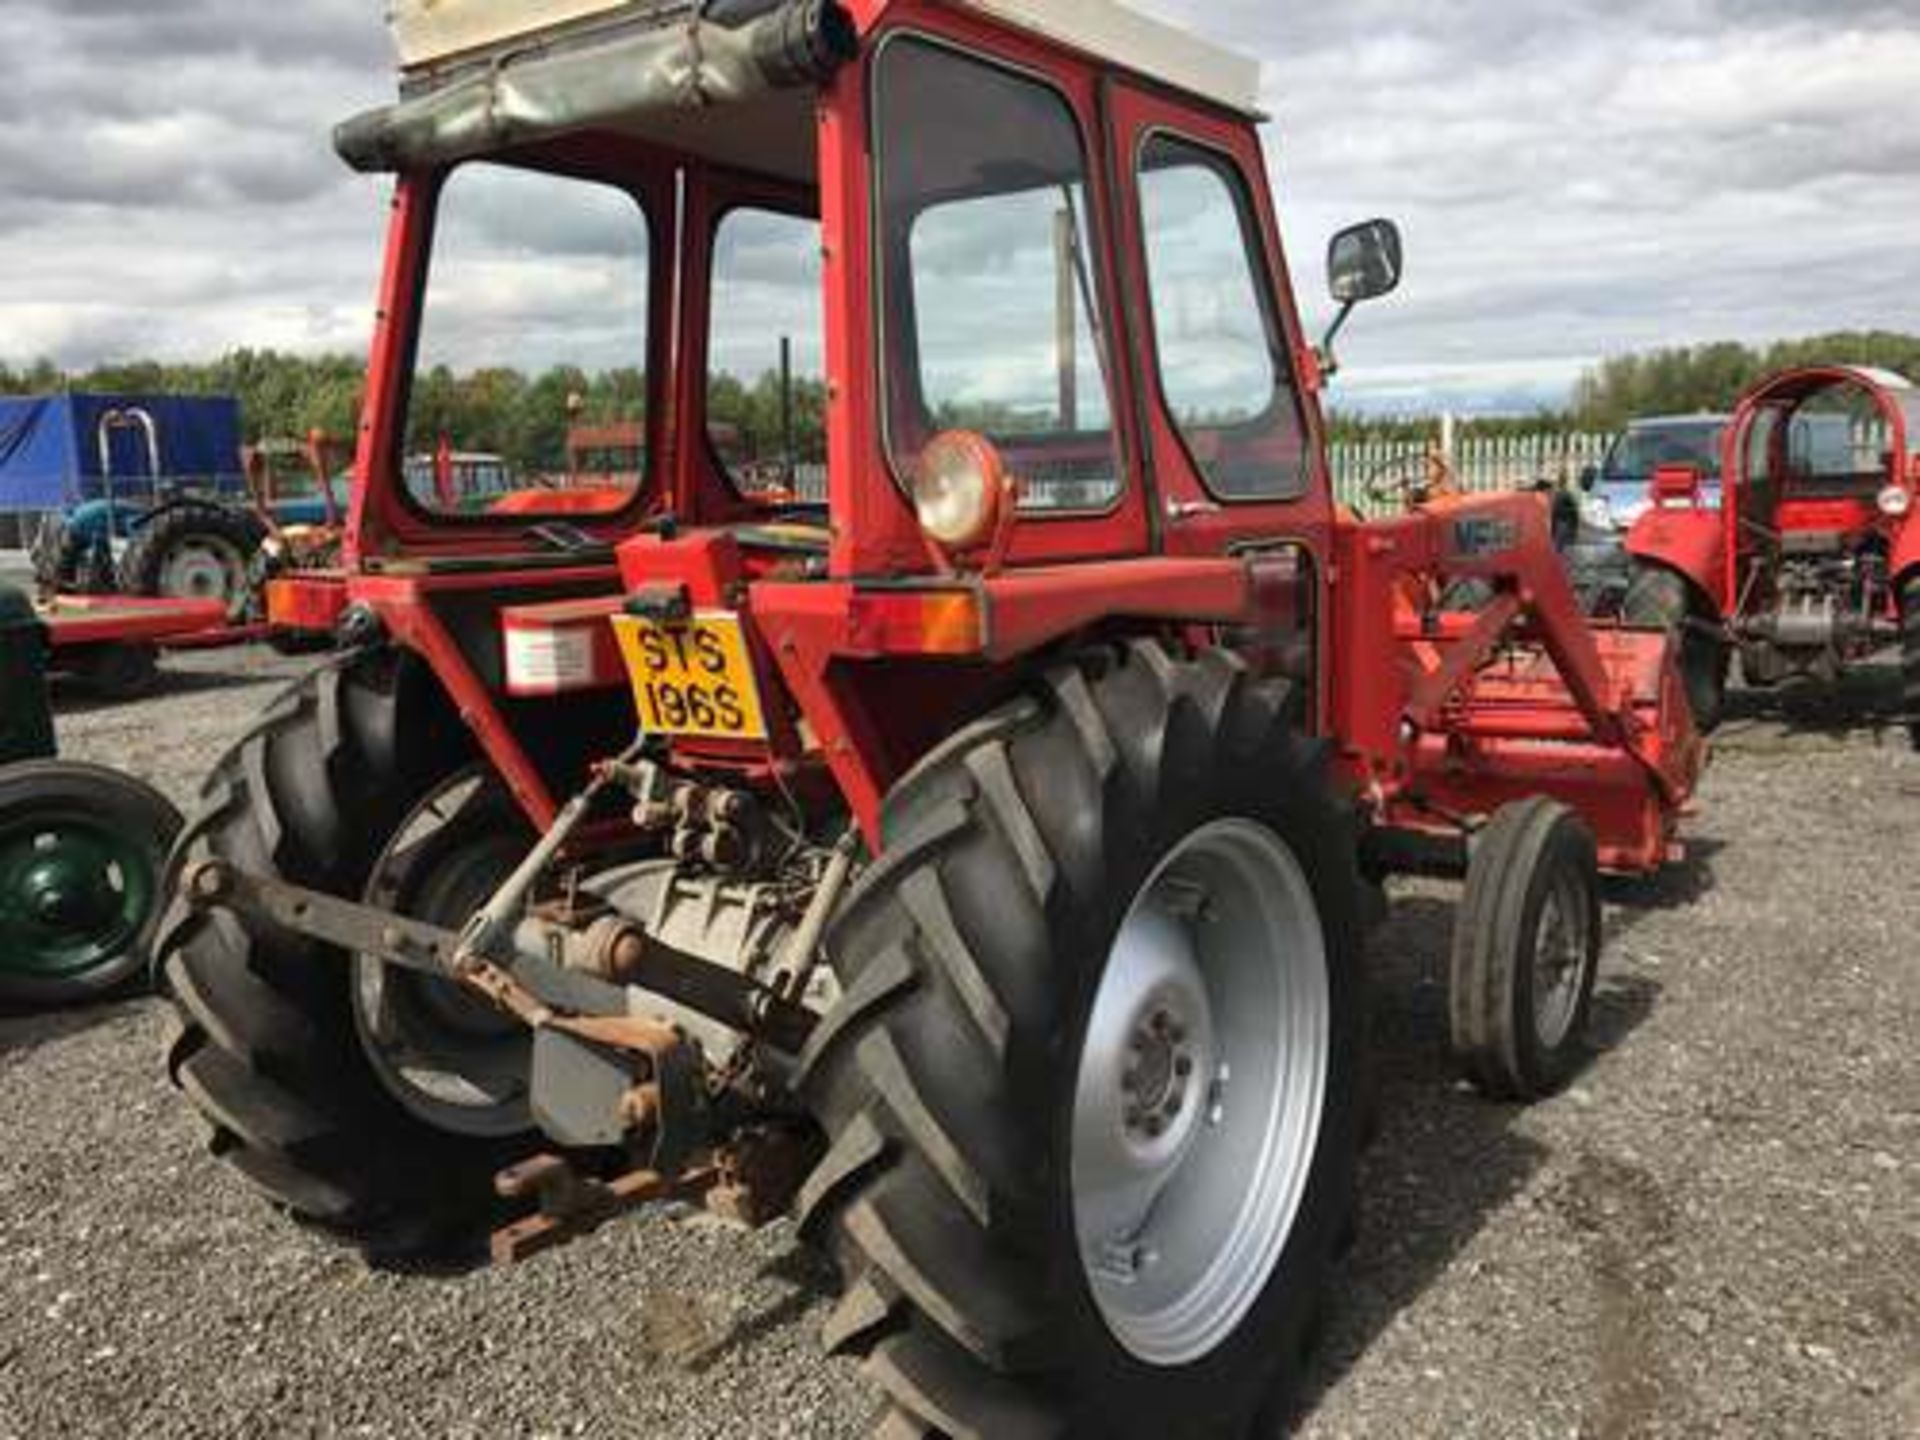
749	233
1822	459
843	342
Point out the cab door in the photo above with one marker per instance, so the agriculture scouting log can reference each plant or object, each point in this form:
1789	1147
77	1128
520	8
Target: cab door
1233	437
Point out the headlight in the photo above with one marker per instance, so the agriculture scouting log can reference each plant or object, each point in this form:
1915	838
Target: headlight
1596	514
959	489
1896	501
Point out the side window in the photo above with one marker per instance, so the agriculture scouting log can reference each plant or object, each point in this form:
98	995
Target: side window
766	357
533	334
1222	357
991	313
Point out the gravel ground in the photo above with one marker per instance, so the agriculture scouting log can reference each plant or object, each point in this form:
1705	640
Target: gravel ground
1717	1231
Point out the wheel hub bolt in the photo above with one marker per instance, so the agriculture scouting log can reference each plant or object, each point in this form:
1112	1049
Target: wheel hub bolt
1217	1098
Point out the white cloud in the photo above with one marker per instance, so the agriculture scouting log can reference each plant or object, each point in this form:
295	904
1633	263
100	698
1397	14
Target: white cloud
1575	180
1594	178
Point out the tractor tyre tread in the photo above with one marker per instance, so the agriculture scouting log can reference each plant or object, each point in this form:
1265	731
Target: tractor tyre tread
57	554
940	1192
1660	598
267	1049
1492	1040
144	560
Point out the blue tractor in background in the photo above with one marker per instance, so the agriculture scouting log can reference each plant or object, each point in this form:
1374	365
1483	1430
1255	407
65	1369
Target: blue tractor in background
137	495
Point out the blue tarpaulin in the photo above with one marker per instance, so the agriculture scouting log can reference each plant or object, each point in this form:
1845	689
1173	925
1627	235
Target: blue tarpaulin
59	451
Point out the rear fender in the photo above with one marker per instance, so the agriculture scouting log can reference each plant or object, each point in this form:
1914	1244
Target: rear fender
1691	542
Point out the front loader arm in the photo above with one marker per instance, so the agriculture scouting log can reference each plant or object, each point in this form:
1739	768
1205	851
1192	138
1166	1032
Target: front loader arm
1505	540
1445	714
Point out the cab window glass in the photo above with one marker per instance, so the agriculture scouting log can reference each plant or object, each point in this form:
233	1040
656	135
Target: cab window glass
766	362
992	318
1838	435
532	349
1222	355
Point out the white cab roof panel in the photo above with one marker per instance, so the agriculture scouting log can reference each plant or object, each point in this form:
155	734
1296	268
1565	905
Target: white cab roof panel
1124	36
426	31
429	30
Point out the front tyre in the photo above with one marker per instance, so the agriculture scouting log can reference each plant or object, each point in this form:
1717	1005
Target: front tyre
1661	599
1526	952
1092	1091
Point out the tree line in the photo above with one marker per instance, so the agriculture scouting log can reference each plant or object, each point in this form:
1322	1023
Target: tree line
525	417
522	417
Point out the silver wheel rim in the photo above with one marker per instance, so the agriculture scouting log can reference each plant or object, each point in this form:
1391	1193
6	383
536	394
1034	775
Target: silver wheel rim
448	1057
203	567
1199	1093
1560	945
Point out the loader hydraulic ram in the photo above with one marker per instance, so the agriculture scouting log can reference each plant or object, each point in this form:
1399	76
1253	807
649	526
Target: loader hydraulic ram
986	734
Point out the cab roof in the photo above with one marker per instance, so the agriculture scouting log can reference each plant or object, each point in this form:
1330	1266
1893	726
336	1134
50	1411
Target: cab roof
429	33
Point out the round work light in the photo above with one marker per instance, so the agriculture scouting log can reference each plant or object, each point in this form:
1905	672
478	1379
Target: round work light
959	489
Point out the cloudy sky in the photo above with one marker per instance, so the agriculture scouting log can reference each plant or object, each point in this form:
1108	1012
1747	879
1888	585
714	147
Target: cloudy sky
1576	177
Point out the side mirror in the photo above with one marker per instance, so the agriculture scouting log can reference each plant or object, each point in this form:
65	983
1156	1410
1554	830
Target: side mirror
1365	262
1589	477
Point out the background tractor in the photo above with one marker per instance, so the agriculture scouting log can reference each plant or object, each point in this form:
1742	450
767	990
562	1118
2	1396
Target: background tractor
82	849
1808	562
983	880
136	495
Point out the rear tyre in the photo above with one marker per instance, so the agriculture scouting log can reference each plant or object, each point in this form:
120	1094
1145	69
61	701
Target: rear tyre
1093	1093
83	854
1526	952
270	1049
1661	599
195	552
1910	658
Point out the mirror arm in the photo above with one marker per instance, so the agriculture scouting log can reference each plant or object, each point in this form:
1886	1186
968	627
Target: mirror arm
1329	362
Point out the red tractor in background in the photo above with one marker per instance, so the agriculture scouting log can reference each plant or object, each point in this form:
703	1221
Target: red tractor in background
1811	562
972	861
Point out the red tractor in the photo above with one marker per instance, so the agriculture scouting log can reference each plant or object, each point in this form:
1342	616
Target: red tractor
984	880
1810	563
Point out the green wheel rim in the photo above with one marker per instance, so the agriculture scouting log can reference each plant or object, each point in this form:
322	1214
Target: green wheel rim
74	895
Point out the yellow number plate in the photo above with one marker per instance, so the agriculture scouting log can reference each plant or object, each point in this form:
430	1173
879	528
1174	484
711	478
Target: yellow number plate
692	678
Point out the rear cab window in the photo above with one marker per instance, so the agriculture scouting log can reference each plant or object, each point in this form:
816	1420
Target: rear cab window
533	332
766	361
